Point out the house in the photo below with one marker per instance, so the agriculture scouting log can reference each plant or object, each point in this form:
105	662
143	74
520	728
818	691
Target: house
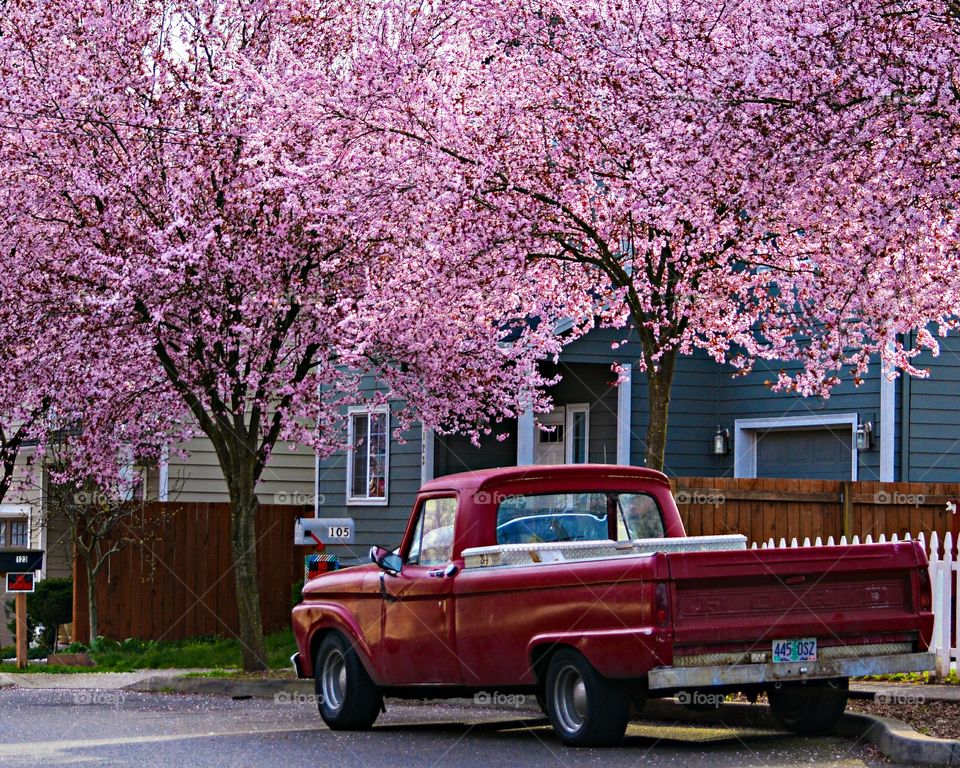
720	426
288	479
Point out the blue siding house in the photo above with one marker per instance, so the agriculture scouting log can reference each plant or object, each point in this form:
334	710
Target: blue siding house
905	429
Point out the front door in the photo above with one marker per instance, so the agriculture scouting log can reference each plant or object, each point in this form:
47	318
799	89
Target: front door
417	643
550	445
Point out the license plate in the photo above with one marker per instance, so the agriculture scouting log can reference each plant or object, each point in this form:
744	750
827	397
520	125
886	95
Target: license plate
804	649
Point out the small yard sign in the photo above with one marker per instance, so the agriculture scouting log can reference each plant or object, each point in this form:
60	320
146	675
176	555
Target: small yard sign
20	582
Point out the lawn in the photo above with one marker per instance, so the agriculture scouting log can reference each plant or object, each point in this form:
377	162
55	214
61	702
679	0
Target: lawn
197	653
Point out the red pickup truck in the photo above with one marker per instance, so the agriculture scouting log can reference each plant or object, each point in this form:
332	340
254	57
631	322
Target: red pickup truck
579	585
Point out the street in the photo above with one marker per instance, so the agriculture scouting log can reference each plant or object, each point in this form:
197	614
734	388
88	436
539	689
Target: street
118	728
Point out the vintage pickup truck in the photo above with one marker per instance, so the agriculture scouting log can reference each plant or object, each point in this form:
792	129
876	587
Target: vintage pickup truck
578	584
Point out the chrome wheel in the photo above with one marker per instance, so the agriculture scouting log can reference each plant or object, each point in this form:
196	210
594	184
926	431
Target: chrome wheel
570	695
334	679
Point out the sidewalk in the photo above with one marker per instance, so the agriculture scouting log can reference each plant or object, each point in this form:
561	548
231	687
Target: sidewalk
100	680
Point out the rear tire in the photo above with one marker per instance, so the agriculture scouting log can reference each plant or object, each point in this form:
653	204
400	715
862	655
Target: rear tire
347	698
810	708
585	709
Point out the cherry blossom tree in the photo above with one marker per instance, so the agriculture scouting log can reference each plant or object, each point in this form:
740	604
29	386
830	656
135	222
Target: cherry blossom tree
764	179
199	207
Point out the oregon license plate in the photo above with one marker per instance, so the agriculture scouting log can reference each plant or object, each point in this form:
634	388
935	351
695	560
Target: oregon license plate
804	649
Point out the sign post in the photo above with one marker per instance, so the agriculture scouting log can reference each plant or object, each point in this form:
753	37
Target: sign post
21	601
18	567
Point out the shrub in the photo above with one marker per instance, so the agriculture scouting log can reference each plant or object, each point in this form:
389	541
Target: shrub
47	608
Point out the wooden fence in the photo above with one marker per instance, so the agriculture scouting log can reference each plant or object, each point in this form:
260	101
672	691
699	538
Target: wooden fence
180	583
763	509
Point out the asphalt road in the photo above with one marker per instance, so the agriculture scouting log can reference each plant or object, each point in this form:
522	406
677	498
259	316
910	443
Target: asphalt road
117	728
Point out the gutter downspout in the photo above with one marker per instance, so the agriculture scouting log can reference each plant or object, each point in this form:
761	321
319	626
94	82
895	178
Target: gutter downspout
905	418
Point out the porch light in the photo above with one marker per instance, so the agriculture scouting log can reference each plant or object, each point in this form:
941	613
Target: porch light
721	442
864	435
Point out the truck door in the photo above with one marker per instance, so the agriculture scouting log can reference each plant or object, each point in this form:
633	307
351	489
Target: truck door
417	643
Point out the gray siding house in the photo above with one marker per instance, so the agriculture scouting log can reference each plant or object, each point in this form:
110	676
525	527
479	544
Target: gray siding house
904	429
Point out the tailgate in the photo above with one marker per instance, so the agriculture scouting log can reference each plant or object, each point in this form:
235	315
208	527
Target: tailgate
859	600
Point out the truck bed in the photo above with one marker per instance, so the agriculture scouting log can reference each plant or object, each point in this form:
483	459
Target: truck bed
859	602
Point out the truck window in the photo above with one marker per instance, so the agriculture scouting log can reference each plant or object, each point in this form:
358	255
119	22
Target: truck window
580	516
638	517
433	536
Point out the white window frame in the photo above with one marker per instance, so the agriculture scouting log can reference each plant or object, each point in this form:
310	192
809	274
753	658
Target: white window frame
367	501
571	409
745	437
18	513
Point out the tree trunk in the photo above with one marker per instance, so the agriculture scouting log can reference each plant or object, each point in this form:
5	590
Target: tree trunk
243	544
93	623
659	383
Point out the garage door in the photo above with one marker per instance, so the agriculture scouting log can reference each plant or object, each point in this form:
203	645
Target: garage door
816	454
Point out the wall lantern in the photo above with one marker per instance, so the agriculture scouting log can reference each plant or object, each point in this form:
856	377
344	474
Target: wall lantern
721	442
864	435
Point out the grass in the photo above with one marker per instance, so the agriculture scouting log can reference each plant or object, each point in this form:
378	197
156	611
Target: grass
913	677
198	653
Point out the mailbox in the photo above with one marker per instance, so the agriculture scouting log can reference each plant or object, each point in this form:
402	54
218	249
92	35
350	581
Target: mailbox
331	530
21	560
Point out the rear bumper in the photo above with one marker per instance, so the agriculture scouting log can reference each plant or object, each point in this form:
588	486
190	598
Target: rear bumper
752	674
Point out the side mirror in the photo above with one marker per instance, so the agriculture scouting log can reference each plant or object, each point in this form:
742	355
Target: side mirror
388	560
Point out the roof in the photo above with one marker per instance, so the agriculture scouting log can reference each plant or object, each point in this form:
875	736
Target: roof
487	477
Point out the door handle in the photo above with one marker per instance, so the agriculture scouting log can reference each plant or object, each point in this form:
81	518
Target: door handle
383	591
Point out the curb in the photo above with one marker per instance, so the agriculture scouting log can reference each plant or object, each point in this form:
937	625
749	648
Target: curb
221	686
893	738
898	740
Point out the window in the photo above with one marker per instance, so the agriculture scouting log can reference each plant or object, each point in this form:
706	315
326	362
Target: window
578	516
14	533
368	456
577	421
433	536
132	485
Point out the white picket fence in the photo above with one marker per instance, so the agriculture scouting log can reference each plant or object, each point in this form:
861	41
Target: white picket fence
944	579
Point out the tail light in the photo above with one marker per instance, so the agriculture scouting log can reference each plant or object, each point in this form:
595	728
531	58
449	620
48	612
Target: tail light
661	604
926	595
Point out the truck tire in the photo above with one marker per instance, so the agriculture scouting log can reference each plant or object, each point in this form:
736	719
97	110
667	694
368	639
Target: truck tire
810	708
585	709
347	698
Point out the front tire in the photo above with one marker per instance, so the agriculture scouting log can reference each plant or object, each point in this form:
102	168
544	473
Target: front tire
585	709
347	698
810	708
